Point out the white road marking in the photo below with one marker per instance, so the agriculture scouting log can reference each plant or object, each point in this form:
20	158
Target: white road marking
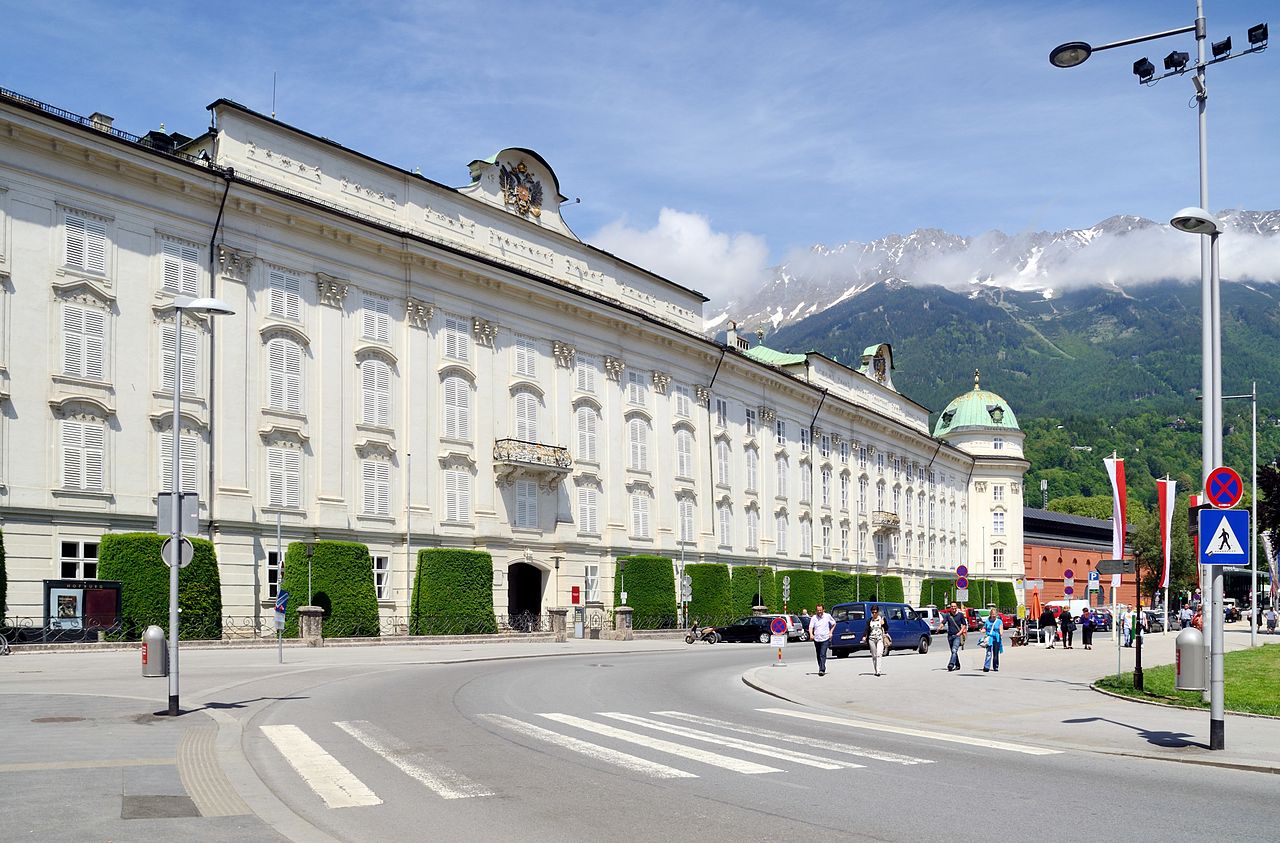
816	743
601	753
449	784
915	733
777	753
691	753
331	781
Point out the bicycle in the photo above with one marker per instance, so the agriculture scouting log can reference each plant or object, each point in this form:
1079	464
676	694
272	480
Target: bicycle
5	649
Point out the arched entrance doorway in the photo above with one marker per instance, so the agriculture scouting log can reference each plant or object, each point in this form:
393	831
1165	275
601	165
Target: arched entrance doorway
524	596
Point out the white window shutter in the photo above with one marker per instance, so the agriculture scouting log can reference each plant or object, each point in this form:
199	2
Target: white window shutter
275	477
275	374
190	270
94	455
72	455
95	246
293	377
73	340
190	359
526	417
166	356
75	241
377	318
293	478
369	484
171	263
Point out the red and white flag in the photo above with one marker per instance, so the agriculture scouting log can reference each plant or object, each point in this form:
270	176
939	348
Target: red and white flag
1167	492
1115	471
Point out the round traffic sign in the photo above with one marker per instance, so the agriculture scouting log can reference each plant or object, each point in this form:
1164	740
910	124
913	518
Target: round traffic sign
1223	487
184	558
962	571
1069	591
1068	574
962	582
778	626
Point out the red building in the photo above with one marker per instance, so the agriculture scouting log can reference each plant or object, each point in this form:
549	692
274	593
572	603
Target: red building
1054	543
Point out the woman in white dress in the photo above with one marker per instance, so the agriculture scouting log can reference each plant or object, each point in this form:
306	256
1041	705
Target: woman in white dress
877	637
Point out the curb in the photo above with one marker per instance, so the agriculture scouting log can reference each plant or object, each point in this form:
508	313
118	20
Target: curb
1141	701
1203	762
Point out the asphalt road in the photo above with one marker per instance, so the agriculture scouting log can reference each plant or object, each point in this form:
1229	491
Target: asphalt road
673	745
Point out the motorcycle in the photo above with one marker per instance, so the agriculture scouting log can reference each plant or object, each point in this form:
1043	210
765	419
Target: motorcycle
707	634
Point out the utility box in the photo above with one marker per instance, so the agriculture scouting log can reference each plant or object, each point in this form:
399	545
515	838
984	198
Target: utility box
155	652
1191	661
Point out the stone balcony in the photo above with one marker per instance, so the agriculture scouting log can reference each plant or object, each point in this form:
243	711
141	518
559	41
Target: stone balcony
515	459
885	522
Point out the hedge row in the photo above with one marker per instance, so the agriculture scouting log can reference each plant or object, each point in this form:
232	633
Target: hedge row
806	589
134	560
712	599
942	590
452	593
745	583
651	590
341	584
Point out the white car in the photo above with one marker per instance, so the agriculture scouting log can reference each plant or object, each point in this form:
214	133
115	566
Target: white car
932	615
795	627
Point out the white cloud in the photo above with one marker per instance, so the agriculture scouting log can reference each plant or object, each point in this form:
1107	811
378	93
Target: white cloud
684	248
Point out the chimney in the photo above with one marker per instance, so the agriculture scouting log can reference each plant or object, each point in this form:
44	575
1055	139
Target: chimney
101	122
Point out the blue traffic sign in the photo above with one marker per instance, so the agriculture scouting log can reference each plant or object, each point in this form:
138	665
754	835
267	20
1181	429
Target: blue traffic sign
1223	487
778	626
1093	576
1224	537
282	601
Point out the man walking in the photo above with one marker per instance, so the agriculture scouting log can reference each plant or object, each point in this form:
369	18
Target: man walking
957	626
1184	616
821	625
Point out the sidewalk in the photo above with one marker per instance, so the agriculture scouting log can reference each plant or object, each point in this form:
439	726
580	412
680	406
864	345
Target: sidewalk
1039	696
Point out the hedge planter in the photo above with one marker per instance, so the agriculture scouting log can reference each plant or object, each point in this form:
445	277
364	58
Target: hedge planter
837	587
453	593
134	560
712	603
744	589
341	584
806	590
651	591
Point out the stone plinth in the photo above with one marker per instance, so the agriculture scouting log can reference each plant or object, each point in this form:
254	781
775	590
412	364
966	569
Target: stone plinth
622	623
558	623
311	625
759	610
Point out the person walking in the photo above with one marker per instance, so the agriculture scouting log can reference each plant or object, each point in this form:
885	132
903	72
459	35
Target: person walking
1087	625
1068	626
821	625
1184	616
993	636
1048	626
1126	631
1271	621
957	626
876	635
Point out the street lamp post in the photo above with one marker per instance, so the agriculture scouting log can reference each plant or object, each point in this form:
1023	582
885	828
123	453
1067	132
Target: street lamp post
1253	517
181	305
1198	221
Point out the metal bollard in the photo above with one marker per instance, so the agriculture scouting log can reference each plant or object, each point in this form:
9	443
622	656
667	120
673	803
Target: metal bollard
1190	665
155	652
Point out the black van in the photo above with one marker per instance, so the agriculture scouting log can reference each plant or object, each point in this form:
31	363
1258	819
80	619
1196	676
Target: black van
907	629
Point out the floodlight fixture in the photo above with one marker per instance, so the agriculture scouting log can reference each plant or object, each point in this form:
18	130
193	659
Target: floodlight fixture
1144	69
1196	221
1070	54
1175	61
1258	35
1222	48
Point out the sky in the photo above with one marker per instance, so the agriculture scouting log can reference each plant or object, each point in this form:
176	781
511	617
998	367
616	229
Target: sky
708	140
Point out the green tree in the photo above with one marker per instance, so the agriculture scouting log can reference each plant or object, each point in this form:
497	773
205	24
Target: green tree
1089	507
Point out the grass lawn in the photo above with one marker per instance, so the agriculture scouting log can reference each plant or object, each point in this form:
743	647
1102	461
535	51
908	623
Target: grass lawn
1252	679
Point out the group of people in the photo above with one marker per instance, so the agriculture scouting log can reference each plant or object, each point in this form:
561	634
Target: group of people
1062	627
875	636
992	639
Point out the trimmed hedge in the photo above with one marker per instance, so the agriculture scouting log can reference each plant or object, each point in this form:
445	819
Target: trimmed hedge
651	591
806	589
744	589
889	590
939	591
837	587
712	601
134	560
453	593
341	584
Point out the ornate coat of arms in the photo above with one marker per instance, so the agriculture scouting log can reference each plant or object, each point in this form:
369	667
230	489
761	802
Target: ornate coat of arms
520	190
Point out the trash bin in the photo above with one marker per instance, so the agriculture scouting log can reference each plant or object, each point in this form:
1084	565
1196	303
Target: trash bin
1189	671
155	652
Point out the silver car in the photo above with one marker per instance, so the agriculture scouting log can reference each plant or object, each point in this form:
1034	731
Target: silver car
932	615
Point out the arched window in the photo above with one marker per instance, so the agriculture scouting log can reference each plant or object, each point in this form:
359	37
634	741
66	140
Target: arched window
588	423
638	437
526	416
457	408
284	375
684	453
375	386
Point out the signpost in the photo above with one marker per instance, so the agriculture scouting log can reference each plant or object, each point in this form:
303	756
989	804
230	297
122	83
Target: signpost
282	602
1223	487
1223	540
786	592
183	559
1115	566
1069	582
778	637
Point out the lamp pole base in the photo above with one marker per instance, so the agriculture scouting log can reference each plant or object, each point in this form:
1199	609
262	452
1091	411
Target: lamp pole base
1217	734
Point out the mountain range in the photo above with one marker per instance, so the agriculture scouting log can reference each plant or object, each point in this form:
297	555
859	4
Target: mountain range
1099	321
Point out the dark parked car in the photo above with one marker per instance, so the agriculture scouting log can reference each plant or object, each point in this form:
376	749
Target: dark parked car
755	628
972	618
907	630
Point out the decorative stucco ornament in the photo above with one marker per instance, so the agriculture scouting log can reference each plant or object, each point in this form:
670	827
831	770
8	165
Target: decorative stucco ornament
520	190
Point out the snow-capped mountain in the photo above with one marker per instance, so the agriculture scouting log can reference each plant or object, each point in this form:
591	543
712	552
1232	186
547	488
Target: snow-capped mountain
1120	251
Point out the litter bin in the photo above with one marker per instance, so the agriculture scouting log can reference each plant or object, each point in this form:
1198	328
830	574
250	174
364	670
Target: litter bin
155	652
1189	670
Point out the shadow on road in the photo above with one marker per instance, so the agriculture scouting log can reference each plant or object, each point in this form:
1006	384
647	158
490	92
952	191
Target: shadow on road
1169	740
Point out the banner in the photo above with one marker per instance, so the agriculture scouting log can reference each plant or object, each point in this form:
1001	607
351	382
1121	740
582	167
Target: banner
1167	493
1115	472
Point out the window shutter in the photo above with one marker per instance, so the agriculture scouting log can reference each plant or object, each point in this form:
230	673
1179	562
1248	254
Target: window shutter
75	241
275	374
526	504
293	478
457	418
526	417
639	445
370	483
455	337
275	477
377	318
73	340
94	457
587	434
722	461
383	472
72	455
95	246
190	359
293	376
166	356
684	453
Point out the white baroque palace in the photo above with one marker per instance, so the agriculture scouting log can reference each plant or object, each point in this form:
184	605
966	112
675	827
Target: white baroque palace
412	365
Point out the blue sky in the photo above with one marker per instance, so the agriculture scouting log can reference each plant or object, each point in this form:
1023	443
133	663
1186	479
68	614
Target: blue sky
707	139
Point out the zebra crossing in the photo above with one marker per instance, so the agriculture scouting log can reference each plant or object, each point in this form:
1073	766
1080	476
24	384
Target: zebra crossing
655	745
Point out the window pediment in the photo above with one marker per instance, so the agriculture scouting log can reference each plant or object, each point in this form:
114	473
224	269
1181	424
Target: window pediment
186	421
283	330
375	449
723	436
636	413
84	291
684	424
526	386
457	459
81	407
453	369
586	401
283	436
367	351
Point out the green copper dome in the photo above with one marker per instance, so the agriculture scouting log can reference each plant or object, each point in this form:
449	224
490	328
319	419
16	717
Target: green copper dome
978	408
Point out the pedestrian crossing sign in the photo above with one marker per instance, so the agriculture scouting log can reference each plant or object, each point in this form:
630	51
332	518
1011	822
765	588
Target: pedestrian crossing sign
1224	537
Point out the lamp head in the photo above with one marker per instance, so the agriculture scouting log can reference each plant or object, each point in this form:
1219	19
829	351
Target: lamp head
1258	35
1070	54
1221	48
211	306
1144	69
1175	61
1196	221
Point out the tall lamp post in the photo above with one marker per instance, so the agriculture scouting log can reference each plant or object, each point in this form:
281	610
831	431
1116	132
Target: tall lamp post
1200	222
181	305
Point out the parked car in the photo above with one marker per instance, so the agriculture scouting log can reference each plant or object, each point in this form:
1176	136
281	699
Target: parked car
797	630
754	628
1103	620
973	619
1155	623
933	616
907	629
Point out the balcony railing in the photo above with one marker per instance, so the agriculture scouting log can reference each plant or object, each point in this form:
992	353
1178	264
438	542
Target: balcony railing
514	458
882	521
